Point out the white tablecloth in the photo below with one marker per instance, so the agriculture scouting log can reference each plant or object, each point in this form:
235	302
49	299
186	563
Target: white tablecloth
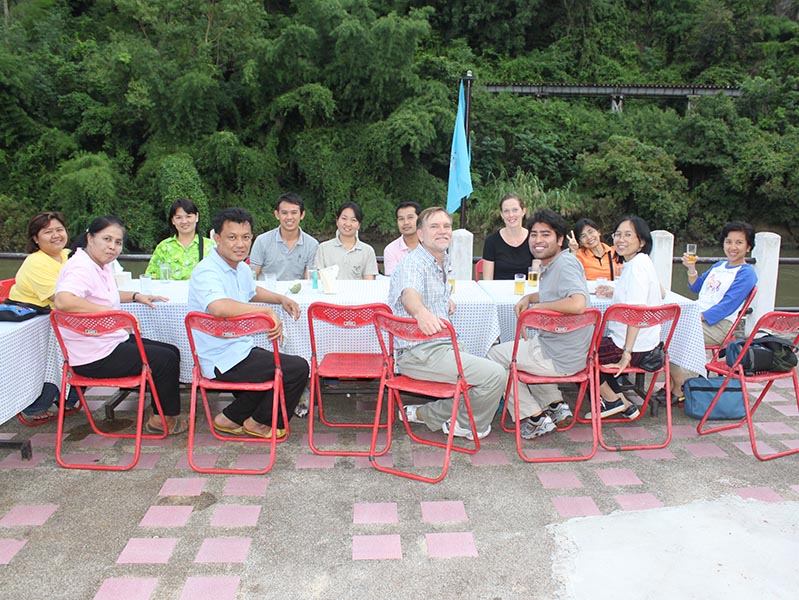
687	346
23	357
475	318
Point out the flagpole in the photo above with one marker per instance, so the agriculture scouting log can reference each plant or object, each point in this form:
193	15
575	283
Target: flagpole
468	93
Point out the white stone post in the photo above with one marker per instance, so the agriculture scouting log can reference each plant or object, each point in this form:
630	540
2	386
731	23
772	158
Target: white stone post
461	251
767	267
662	256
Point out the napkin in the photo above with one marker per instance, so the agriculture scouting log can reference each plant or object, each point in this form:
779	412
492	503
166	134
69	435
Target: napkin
328	275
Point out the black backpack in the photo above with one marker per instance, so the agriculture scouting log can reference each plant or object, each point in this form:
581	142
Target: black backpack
765	353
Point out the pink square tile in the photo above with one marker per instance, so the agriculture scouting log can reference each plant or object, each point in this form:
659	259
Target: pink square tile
658	454
362	462
543	453
553	480
82	458
684	432
314	461
129	588
9	548
789	410
162	443
245	486
182	486
790	444
7	436
774	428
374	512
795	488
376	547
490	458
224	550
43	439
735	432
322	439
15	461
580	433
235	515
364	438
218	588
746	448
147	460
428	458
451	545
575	506
443	511
705	450
633	432
166	516
638	501
764	494
207	440
204	461
251	461
603	455
27	515
147	551
98	441
618	477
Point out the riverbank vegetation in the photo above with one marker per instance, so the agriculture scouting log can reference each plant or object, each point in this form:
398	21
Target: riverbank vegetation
118	106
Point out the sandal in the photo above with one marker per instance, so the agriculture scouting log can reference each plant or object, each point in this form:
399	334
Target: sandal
41	416
281	433
181	426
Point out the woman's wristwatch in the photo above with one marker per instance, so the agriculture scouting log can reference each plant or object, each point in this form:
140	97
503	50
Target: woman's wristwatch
133	297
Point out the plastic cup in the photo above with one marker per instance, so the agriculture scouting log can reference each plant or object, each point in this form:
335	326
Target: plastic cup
518	283
164	273
145	284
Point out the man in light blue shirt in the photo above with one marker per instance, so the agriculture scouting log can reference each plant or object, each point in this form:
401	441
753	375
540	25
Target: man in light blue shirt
221	285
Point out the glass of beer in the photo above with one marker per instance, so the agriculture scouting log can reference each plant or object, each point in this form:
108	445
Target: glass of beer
518	283
451	283
690	250
532	277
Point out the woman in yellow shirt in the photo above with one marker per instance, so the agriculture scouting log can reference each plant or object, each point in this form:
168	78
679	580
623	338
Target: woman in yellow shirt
47	253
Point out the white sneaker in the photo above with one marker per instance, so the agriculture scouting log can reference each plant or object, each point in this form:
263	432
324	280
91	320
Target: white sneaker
462	432
410	413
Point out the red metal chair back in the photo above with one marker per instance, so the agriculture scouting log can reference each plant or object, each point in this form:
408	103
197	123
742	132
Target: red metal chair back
95	325
5	288
389	326
784	324
665	315
349	365
716	348
478	270
250	324
558	323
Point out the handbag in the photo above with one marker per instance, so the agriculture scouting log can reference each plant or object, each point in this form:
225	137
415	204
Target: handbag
16	313
700	391
765	353
653	360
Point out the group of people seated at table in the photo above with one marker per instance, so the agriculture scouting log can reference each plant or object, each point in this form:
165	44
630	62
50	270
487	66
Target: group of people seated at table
221	283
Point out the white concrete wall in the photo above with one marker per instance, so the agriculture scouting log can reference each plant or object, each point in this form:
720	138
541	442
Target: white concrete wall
461	252
662	255
767	267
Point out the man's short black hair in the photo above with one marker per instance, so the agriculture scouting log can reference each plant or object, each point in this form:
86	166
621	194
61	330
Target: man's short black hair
551	218
409	203
291	198
234	215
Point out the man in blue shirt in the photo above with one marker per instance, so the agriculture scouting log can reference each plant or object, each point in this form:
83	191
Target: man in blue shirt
222	285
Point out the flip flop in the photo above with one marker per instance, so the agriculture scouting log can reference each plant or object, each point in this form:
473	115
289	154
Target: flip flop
230	430
181	426
281	433
45	415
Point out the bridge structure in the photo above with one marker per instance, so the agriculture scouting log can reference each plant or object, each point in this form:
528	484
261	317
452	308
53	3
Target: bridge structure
616	92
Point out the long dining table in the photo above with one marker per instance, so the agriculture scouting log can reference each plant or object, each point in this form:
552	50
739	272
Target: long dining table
687	347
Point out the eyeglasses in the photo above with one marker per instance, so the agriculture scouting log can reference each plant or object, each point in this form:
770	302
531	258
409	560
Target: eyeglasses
627	235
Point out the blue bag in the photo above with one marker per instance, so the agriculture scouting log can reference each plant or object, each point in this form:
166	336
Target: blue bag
16	312
700	391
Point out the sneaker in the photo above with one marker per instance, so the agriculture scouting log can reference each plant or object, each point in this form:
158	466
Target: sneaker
531	429
608	408
631	412
462	432
410	413
561	414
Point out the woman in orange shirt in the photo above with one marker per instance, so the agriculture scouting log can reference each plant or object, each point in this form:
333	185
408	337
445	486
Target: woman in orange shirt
585	242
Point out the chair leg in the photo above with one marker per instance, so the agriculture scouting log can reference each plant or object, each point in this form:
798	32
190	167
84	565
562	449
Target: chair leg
750	424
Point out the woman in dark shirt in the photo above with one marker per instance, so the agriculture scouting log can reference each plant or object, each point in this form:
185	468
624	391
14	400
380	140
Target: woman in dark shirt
507	251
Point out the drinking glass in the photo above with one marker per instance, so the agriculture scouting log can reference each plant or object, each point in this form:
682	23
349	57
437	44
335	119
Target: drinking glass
519	280
145	284
451	282
690	250
532	276
164	271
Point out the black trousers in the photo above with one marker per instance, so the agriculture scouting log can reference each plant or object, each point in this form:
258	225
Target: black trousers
124	361
260	366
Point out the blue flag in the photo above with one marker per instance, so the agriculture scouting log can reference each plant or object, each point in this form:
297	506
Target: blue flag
460	178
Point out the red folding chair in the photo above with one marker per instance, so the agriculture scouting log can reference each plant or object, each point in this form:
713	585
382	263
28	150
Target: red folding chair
93	325
5	288
341	365
716	348
558	323
233	327
388	327
662	316
778	323
478	270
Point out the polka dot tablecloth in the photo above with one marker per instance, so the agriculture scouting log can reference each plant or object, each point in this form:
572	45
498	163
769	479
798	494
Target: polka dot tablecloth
23	356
